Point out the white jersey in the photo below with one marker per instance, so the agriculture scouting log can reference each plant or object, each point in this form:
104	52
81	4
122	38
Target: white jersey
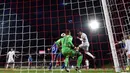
11	55
84	39
127	44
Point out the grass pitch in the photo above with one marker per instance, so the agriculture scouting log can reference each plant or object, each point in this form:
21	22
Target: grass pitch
55	71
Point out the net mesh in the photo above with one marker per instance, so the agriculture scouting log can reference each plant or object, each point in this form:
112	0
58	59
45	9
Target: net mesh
119	15
32	26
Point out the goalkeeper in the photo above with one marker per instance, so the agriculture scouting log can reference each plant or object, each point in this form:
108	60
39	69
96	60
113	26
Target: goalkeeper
67	50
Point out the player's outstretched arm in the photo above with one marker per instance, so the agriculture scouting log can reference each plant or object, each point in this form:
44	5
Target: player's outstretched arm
80	38
119	42
17	52
58	42
70	42
16	56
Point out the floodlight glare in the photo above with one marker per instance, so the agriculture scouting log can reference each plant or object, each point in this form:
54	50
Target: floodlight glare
94	24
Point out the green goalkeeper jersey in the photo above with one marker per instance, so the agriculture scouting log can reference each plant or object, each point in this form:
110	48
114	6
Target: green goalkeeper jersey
67	50
67	41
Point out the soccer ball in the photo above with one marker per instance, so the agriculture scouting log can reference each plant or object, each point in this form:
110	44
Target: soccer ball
72	66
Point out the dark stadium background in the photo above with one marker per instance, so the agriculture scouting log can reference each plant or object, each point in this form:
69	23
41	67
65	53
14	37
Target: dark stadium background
51	17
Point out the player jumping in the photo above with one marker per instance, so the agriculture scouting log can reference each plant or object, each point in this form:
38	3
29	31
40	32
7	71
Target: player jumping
10	58
84	45
68	51
55	55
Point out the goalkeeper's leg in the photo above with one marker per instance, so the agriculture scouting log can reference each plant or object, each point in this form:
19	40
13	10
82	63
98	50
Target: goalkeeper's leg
66	52
79	61
80	58
66	63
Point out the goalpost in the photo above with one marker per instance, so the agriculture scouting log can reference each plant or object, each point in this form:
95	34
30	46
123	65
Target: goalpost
111	38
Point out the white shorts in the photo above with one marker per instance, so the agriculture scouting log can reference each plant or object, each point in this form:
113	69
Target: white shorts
10	60
84	46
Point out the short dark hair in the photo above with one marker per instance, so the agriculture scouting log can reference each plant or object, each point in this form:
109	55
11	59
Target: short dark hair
79	30
67	31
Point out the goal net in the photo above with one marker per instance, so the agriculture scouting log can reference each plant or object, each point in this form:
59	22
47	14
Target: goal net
23	38
30	28
120	24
